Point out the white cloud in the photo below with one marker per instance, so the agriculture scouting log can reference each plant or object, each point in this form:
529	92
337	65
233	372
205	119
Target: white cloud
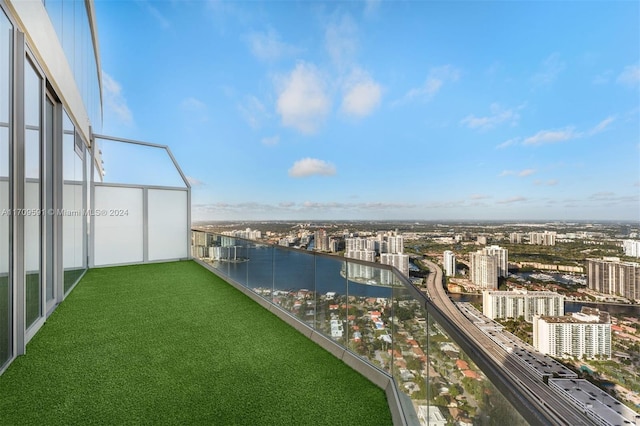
362	95
341	40
603	78
600	127
510	200
194	181
521	173
371	7
507	143
271	141
311	166
550	182
196	109
267	46
479	197
115	101
253	111
630	76
162	21
302	101
549	70
552	136
436	78
498	116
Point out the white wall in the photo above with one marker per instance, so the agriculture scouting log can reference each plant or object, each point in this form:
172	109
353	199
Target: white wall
167	224
118	237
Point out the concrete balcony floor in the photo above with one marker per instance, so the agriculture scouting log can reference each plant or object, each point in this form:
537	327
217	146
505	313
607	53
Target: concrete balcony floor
172	343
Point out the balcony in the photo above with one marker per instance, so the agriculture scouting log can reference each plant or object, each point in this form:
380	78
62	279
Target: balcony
171	343
245	333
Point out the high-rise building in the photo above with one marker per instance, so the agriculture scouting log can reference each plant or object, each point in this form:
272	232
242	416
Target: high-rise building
449	262
631	248
514	304
321	240
546	238
515	238
611	276
399	261
484	270
395	244
247	234
502	258
356	243
582	334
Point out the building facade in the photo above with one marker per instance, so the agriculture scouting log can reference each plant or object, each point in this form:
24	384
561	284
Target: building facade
609	275
521	303
52	172
484	270
582	334
399	261
631	248
449	262
502	258
546	238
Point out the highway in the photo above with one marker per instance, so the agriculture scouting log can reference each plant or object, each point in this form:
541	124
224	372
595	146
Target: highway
543	406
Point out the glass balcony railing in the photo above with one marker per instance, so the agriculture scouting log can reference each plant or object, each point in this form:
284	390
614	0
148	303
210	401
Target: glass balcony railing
370	311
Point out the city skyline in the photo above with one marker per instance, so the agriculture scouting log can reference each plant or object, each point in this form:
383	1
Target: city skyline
376	110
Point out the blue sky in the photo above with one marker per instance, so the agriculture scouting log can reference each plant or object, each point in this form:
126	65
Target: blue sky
505	110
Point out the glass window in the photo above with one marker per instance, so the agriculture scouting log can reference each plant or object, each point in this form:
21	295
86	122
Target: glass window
5	144
73	259
127	163
32	200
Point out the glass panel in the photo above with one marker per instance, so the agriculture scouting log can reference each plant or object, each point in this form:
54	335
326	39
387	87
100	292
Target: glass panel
293	281
73	259
369	306
86	180
120	236
5	68
5	291
32	200
48	199
260	269
167	224
235	255
331	286
67	124
54	10
5	102
408	322
128	163
4	149
372	312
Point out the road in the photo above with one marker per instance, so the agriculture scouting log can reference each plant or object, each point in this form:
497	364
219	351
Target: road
542	404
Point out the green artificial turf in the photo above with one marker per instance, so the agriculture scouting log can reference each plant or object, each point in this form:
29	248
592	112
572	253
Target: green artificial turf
172	343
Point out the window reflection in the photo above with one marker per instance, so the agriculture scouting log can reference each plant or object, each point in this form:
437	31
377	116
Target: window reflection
32	200
72	201
5	100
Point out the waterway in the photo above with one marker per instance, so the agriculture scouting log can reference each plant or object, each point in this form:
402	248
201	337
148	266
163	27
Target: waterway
290	270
